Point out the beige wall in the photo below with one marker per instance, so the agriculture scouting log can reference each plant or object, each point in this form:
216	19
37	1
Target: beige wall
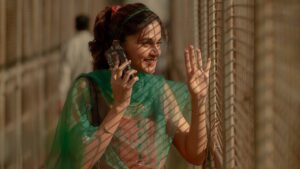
277	84
31	35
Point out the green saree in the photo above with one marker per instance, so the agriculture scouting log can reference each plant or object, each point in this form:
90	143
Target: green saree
144	135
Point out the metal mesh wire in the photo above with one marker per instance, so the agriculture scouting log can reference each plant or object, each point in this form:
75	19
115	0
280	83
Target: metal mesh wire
210	28
239	107
243	74
226	35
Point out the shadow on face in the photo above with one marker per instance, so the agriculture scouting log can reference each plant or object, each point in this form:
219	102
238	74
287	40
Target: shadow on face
143	48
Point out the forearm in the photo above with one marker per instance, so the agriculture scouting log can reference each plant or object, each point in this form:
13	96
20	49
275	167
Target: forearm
196	140
95	149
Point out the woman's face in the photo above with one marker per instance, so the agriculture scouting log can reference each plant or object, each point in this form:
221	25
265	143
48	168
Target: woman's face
143	48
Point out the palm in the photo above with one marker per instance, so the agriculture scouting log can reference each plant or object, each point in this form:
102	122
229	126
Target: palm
198	83
197	74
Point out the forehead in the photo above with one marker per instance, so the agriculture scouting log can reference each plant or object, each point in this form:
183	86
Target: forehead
152	30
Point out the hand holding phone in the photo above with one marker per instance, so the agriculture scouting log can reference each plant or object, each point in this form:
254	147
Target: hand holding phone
121	84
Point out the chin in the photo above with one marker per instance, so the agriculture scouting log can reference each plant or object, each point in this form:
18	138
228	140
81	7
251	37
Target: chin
149	70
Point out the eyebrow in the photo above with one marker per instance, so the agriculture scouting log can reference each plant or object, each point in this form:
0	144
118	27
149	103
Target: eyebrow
147	39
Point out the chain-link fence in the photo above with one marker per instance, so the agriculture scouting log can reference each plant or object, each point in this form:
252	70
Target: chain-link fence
253	102
254	93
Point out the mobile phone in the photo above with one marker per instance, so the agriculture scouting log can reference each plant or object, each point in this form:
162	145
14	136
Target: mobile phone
116	55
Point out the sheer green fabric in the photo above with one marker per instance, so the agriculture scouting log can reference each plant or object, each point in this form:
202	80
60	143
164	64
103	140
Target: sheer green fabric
145	132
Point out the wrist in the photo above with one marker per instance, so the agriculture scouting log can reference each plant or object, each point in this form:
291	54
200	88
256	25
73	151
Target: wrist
118	108
198	98
198	103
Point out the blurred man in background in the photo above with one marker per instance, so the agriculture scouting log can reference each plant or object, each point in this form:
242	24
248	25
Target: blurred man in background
76	56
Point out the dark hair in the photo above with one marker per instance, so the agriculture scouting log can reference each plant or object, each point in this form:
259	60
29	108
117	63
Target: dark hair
81	22
110	24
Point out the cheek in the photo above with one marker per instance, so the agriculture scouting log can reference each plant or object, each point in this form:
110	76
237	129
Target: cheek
130	54
133	51
139	54
143	52
136	60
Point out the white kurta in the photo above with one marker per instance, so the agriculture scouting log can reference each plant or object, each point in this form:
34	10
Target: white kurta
76	60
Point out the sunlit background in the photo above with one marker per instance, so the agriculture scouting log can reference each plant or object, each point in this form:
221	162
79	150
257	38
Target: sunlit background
254	98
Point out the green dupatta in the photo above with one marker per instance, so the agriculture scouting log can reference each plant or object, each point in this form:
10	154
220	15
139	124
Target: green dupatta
145	132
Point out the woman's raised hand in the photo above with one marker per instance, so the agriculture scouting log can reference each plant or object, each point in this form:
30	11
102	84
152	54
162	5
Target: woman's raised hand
197	73
122	85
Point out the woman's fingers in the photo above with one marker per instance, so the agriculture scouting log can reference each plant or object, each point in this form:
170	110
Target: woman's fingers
121	68
128	74
132	81
208	64
187	61
199	59
114	71
117	71
124	65
192	59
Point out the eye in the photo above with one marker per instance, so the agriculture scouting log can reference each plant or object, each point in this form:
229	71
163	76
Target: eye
146	42
150	43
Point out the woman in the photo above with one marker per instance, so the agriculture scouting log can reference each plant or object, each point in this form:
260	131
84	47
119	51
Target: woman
138	114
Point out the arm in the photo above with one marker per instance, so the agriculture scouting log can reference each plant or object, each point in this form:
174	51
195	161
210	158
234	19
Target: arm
93	140
95	149
122	89
191	140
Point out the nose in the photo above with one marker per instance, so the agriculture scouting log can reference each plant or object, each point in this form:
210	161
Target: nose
155	50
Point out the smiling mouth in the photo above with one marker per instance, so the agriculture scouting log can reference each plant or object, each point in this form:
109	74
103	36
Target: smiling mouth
150	60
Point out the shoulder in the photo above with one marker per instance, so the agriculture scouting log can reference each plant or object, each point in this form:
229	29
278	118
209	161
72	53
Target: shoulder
80	83
84	35
84	79
98	78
